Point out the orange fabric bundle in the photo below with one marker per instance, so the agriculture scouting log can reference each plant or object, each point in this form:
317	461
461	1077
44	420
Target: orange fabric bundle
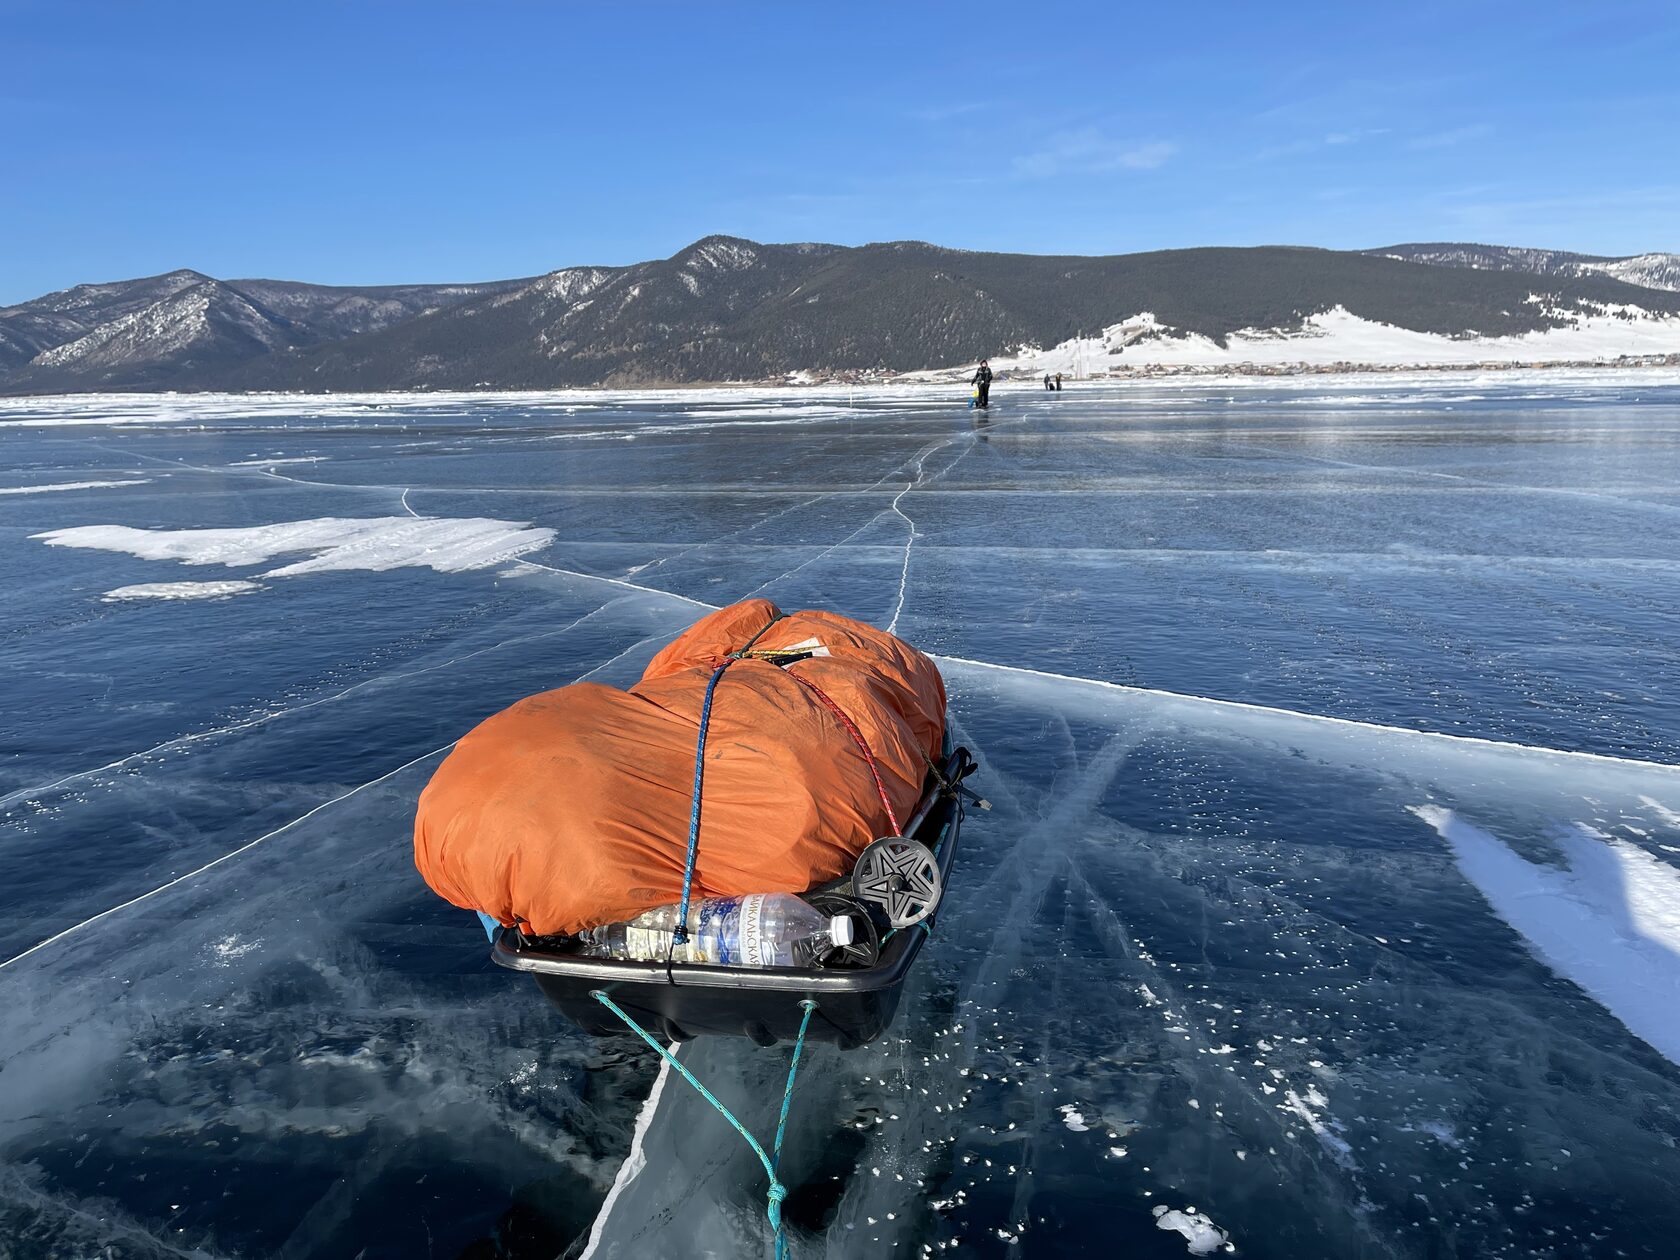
571	808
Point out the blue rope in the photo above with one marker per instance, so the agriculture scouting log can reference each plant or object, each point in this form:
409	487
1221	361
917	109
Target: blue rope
777	1192
681	935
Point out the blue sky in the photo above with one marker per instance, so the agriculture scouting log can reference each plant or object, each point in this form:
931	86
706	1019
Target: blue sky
377	142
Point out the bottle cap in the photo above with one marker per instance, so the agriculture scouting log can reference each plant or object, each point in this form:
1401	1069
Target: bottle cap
840	929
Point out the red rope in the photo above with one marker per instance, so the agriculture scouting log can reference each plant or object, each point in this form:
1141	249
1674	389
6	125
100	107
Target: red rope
858	739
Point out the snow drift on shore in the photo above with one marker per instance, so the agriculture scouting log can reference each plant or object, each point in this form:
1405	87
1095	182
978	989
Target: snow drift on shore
1338	336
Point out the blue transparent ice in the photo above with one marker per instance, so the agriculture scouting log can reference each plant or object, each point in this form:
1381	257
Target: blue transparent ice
1215	946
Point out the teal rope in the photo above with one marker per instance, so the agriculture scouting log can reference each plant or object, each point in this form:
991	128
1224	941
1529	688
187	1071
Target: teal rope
787	1094
777	1192
892	932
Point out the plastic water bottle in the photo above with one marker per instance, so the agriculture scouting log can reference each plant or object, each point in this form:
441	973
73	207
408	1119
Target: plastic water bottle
761	930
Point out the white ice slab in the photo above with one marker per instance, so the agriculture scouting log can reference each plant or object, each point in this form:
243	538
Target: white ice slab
1610	921
446	544
182	590
72	485
1201	1236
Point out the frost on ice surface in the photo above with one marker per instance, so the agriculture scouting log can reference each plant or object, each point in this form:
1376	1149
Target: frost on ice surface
181	590
1667	815
1437	1129
230	948
1609	921
1311	1110
373	543
1201	1236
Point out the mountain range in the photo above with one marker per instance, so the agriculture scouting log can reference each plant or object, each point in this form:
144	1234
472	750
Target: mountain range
175	330
727	309
1653	271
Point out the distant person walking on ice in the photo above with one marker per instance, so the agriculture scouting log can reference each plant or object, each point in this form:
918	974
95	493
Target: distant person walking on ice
1058	382
983	383
1047	383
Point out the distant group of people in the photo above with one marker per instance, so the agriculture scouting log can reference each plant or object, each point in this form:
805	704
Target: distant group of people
982	383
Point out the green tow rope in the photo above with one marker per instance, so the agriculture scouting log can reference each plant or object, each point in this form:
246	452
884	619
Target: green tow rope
778	1192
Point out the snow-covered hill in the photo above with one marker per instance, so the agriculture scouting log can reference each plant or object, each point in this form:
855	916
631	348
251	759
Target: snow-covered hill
206	319
1337	337
160	330
1651	271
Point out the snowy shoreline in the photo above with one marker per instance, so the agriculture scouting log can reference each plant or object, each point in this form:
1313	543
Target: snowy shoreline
1317	372
1658	371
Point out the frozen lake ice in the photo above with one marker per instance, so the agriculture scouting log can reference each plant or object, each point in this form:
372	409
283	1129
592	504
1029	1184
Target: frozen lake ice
1330	906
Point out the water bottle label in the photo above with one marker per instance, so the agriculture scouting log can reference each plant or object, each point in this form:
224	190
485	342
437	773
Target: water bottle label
713	929
754	948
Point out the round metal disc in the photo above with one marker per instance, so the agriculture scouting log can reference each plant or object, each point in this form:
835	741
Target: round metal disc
900	876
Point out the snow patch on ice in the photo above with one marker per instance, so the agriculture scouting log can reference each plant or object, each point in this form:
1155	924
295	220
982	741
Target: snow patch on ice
1610	921
182	590
445	544
1201	1236
72	485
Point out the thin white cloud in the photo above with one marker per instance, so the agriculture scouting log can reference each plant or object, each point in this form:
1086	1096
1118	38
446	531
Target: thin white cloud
1312	144
1089	152
945	113
1446	139
1146	157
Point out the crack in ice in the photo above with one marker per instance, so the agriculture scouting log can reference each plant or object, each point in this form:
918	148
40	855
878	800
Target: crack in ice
181	741
228	856
910	540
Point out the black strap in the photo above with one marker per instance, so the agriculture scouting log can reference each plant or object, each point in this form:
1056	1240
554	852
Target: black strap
743	651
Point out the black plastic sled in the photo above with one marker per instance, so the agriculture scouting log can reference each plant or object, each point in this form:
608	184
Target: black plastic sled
679	1001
